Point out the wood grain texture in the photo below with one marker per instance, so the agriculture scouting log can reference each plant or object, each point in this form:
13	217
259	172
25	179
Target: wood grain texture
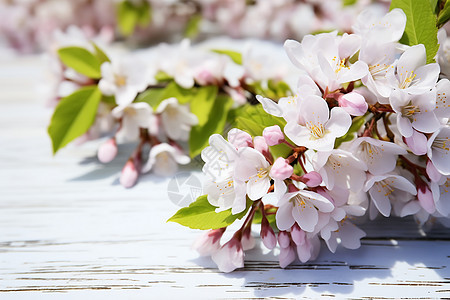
68	230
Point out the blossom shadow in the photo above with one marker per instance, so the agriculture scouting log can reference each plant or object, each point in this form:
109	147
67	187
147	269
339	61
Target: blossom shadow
394	253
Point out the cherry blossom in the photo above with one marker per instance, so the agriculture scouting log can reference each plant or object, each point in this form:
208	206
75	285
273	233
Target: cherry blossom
301	207
380	58
176	119
442	110
181	66
222	189
383	189
253	169
412	74
340	168
380	156
415	111
163	160
439	149
325	58
133	116
124	80
320	127
386	29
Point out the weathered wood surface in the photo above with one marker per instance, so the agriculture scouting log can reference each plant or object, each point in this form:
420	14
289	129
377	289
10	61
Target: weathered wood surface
69	230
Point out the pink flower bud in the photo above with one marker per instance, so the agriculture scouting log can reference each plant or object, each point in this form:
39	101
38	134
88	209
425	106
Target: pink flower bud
240	138
129	174
267	235
312	179
273	135
304	251
286	256
247	241
209	242
353	103
432	172
281	169
230	256
298	235
425	198
284	239
417	142
107	151
259	143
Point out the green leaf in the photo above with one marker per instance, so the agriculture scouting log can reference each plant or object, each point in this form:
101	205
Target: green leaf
434	6
216	121
256	119
203	103
278	89
235	56
127	17
130	15
202	215
348	2
154	96
420	25
274	90
111	100
163	76
144	14
81	60
193	26
73	116
257	218
183	95
101	56
357	123
444	15
298	170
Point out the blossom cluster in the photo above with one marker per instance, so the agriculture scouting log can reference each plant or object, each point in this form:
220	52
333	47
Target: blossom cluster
156	96
367	133
29	25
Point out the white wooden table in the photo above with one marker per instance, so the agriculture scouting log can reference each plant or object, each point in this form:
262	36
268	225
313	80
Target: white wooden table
69	230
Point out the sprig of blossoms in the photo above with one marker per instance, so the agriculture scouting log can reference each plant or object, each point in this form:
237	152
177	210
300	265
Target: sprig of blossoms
155	97
28	26
367	132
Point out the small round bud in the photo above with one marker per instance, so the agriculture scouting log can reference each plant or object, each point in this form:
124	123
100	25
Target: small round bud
281	169
353	103
273	135
107	151
129	175
312	179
